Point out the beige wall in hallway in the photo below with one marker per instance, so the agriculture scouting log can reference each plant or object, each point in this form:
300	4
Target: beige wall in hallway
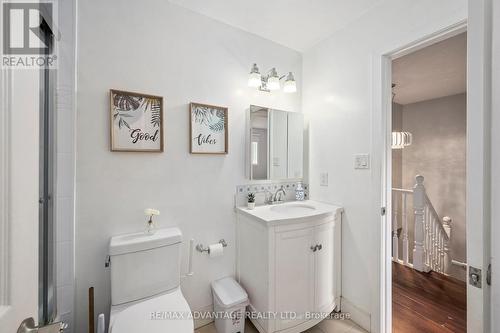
438	153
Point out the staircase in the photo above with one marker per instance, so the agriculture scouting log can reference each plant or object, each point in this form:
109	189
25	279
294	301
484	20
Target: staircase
431	245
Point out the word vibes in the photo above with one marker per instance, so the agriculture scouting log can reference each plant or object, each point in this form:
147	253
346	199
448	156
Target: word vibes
201	139
138	135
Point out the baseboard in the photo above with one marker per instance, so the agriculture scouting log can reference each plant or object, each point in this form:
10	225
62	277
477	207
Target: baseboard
359	316
199	322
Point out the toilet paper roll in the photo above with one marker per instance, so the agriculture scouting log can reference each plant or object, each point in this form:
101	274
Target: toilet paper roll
216	250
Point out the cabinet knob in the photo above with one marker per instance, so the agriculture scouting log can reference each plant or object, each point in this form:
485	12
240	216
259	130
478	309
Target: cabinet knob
314	248
319	246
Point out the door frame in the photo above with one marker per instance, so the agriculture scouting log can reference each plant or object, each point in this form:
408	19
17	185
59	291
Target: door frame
5	98
477	145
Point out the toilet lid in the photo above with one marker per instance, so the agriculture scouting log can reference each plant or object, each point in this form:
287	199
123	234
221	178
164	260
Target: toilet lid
160	314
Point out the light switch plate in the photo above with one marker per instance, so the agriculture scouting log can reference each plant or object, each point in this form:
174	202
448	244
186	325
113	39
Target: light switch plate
362	161
323	179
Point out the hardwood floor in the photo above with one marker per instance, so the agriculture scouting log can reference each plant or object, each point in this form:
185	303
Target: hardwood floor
427	302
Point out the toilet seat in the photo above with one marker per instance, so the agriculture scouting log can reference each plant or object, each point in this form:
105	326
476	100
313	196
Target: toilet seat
168	312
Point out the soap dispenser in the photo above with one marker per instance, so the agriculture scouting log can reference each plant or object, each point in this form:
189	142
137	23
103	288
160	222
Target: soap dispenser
299	192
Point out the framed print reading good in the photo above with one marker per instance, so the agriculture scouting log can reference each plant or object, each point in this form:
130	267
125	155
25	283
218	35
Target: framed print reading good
136	122
208	129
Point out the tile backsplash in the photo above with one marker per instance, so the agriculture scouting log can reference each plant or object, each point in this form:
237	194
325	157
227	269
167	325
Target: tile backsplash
260	191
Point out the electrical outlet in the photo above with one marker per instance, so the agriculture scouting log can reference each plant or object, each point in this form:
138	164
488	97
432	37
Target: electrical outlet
323	179
362	161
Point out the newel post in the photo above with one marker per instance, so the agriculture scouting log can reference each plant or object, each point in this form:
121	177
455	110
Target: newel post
447	254
419	207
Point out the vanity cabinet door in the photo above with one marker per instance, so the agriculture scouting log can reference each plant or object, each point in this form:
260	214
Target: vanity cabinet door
294	275
324	268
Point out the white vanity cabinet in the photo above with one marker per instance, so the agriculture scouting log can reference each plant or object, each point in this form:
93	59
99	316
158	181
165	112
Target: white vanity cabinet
289	266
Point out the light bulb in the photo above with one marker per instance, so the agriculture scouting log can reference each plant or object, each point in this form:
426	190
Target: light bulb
273	83
290	84
254	79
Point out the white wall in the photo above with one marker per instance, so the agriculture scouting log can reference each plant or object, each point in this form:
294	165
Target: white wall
161	49
339	101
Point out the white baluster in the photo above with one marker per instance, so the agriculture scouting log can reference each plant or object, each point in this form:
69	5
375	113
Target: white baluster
434	242
395	241
430	246
446	246
419	208
427	236
405	230
441	251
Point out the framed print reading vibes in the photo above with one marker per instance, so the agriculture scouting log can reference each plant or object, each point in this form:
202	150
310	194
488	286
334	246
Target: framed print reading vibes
208	129
136	122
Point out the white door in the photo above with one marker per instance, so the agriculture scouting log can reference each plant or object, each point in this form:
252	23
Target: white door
495	181
19	117
294	271
324	267
478	226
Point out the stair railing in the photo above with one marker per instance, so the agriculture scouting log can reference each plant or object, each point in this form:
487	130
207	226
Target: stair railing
400	199
431	249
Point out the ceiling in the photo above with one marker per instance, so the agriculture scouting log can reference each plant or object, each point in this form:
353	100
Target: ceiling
435	71
297	24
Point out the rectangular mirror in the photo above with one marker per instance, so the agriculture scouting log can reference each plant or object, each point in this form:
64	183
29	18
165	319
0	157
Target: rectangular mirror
276	144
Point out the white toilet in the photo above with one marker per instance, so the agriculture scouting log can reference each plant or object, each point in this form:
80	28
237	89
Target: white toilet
145	284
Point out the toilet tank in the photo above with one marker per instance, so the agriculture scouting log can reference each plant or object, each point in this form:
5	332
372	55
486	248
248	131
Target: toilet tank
144	265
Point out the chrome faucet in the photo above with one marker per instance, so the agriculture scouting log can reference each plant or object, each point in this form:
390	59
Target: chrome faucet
280	194
274	198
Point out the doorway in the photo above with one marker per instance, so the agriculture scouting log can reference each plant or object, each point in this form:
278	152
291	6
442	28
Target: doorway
477	179
429	138
479	92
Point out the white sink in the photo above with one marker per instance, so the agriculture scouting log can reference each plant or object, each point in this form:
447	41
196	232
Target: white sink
295	209
290	212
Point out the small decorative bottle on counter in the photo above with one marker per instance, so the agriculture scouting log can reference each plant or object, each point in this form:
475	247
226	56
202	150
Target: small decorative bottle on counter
299	192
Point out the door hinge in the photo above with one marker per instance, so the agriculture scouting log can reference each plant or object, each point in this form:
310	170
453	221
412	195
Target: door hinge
383	211
488	275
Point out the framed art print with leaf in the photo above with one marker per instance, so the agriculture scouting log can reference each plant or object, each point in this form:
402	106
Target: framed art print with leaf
136	122
208	129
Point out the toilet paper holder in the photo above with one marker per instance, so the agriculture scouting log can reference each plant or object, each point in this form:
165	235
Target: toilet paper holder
201	248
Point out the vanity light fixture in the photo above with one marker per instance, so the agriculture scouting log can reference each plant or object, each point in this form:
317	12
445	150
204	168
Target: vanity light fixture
271	81
290	84
255	79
